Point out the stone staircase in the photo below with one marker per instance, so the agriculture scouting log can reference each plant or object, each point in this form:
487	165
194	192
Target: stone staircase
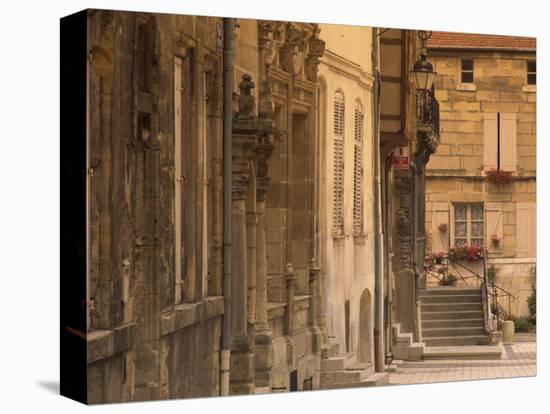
342	370
453	317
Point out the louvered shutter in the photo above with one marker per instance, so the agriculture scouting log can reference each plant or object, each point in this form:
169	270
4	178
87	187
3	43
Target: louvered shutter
490	141
358	172
508	142
338	201
526	242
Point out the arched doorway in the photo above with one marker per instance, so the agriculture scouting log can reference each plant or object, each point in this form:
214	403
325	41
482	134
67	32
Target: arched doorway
364	346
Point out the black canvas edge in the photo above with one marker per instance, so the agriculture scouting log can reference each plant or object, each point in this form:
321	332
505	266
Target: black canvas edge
73	355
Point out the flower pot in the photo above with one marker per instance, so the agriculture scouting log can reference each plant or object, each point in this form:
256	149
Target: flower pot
508	332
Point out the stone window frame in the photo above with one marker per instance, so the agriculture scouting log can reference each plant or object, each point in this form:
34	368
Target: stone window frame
468	238
529	87
465	86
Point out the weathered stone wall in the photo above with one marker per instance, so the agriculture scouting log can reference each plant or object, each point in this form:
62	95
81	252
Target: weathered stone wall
456	172
132	205
348	264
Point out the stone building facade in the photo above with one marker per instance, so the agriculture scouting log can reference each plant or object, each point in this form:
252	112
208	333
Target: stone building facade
289	299
486	86
346	196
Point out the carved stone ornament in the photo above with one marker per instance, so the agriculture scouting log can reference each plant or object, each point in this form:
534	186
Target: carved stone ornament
293	51
246	100
316	50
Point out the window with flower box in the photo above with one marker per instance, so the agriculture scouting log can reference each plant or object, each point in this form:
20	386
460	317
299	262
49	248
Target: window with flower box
469	224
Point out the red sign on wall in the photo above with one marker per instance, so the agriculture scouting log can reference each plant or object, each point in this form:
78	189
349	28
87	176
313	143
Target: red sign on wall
401	159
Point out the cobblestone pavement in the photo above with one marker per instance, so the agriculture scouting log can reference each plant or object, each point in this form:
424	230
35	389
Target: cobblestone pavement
518	360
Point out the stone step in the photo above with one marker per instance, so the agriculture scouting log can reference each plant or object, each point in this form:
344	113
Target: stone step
450	299
338	362
332	378
373	380
457	340
452	331
448	291
451	307
463	352
458	323
439	315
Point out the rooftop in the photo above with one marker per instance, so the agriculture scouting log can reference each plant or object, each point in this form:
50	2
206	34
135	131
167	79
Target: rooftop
454	40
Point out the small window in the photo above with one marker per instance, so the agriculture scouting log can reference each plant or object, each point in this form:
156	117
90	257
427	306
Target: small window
468	224
467	71
531	72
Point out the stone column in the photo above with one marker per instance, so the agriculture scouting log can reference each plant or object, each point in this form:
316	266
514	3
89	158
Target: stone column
251	224
315	304
263	335
244	139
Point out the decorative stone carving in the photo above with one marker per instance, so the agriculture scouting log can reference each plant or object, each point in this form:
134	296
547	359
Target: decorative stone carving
293	52
316	50
246	100
266	107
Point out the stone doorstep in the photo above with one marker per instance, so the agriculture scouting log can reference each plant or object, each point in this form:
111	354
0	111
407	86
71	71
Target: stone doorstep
443	299
464	340
373	380
452	331
338	362
463	352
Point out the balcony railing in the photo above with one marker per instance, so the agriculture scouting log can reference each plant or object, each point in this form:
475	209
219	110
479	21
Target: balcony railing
427	110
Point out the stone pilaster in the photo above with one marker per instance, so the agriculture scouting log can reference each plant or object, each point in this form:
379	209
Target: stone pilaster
244	141
315	304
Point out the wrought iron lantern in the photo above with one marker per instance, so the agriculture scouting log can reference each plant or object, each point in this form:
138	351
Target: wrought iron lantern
423	74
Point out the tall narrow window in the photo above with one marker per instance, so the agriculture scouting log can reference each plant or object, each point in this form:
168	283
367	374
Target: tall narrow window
531	72
468	224
467	71
358	171
338	185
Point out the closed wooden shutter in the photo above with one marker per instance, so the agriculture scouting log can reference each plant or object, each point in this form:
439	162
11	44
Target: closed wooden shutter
178	181
526	230
440	216
494	221
508	142
358	171
338	188
490	141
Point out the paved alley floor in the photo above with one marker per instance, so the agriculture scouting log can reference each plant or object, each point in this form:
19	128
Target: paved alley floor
518	360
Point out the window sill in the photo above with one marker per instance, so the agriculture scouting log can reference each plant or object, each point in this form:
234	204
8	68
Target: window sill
529	88
466	87
338	236
187	314
104	343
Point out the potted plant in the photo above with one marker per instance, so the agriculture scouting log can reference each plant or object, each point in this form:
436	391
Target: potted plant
448	280
498	176
442	227
495	239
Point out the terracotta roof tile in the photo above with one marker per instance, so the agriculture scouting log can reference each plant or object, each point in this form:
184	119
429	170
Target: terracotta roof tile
453	40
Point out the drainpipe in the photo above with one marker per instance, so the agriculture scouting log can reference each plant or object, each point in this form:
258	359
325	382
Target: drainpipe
228	62
378	239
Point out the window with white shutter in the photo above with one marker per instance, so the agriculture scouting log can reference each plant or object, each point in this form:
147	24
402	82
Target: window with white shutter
469	227
338	185
358	171
499	141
